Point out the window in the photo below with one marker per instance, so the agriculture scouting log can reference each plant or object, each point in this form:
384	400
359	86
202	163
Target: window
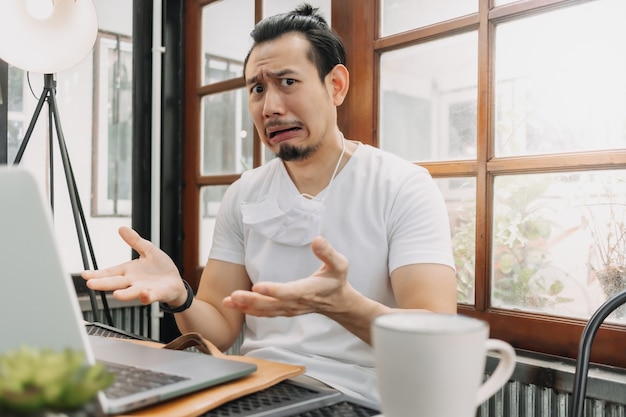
517	110
428	112
523	127
401	15
17	118
227	129
111	178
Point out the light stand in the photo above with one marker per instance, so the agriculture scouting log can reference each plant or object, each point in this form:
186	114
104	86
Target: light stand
47	37
49	95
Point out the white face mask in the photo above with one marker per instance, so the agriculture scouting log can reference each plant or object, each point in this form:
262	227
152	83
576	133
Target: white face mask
297	223
295	226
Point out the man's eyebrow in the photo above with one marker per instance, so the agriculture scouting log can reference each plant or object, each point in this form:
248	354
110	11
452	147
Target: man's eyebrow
269	74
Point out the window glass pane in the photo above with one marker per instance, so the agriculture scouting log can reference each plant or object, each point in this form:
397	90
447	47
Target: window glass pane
227	133
559	244
210	198
217	68
17	118
401	15
15	96
561	90
226	27
428	99
460	197
272	7
111	190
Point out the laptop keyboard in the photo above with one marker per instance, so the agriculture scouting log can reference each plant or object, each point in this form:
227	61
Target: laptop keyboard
275	397
130	380
284	396
342	409
100	329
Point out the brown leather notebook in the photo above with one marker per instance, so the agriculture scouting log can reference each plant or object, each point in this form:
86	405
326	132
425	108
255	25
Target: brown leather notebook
268	373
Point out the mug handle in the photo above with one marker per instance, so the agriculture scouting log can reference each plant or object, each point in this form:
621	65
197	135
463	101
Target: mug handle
502	373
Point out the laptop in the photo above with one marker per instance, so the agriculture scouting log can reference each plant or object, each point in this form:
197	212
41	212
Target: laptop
40	307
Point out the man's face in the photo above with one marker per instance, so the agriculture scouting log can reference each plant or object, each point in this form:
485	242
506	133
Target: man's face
293	111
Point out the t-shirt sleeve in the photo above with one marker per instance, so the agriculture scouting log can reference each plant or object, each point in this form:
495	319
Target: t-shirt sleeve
228	239
419	227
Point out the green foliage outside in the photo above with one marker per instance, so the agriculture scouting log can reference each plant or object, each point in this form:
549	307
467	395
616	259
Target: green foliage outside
520	262
521	275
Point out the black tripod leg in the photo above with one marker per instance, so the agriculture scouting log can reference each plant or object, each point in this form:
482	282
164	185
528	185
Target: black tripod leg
79	216
51	154
105	303
31	126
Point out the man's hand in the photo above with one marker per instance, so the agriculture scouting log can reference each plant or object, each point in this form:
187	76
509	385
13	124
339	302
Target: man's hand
323	292
151	277
417	287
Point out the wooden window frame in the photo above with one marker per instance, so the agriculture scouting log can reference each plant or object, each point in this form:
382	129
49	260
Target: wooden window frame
194	91
356	21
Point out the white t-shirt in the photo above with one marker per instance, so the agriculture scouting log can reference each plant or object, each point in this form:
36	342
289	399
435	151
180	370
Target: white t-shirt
381	212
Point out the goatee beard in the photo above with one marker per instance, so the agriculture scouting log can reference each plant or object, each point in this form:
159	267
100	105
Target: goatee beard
295	153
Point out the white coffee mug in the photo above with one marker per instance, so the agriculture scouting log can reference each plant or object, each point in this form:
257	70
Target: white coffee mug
432	365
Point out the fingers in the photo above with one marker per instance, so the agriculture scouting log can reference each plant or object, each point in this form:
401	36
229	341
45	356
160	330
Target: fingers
102	273
298	290
144	296
134	279
242	300
108	283
264	306
132	238
333	260
301	296
122	289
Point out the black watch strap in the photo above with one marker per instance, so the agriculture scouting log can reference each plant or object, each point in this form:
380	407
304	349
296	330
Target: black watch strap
167	309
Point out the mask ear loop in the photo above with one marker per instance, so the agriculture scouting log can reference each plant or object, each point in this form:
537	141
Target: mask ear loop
343	151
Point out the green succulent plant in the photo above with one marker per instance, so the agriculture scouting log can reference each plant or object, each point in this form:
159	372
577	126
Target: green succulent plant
43	379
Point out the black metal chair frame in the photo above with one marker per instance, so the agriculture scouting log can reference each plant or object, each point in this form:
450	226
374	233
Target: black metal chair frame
579	390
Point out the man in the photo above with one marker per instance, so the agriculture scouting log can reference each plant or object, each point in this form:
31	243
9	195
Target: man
312	246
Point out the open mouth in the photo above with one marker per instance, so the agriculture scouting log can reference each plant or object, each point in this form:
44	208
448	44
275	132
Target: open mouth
278	132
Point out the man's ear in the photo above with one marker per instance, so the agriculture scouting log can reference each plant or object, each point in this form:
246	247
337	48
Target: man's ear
339	79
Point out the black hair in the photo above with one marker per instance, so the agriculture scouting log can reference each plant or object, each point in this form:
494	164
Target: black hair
326	50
